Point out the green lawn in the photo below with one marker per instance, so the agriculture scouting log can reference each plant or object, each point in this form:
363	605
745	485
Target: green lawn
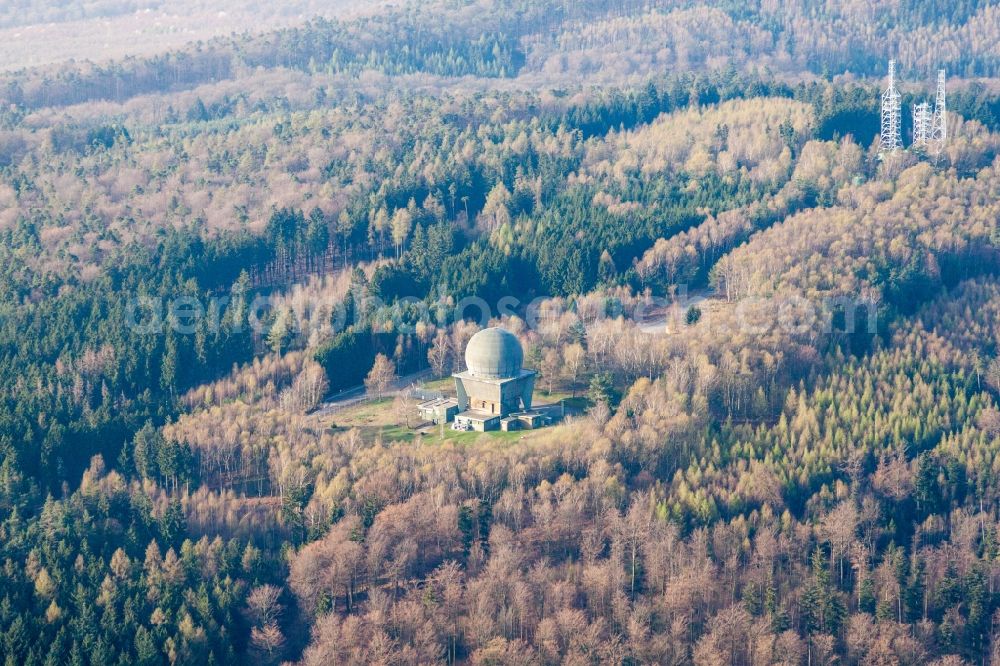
446	385
573	405
394	433
365	413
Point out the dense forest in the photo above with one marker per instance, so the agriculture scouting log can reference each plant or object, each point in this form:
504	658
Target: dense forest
780	348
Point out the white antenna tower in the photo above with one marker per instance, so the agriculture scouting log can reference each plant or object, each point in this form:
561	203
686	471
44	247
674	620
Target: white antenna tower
889	140
939	126
922	124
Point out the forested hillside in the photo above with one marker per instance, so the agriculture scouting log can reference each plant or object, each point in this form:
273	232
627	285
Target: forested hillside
779	349
48	32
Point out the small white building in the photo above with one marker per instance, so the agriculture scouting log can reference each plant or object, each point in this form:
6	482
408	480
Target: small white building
438	410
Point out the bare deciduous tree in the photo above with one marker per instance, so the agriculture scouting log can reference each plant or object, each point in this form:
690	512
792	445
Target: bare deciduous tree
263	604
839	529
267	639
439	353
993	374
403	407
381	376
575	357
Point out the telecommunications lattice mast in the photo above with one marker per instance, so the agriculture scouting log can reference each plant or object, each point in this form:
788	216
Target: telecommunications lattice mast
939	126
889	140
922	125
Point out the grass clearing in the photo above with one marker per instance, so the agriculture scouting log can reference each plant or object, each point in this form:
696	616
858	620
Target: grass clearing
377	418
